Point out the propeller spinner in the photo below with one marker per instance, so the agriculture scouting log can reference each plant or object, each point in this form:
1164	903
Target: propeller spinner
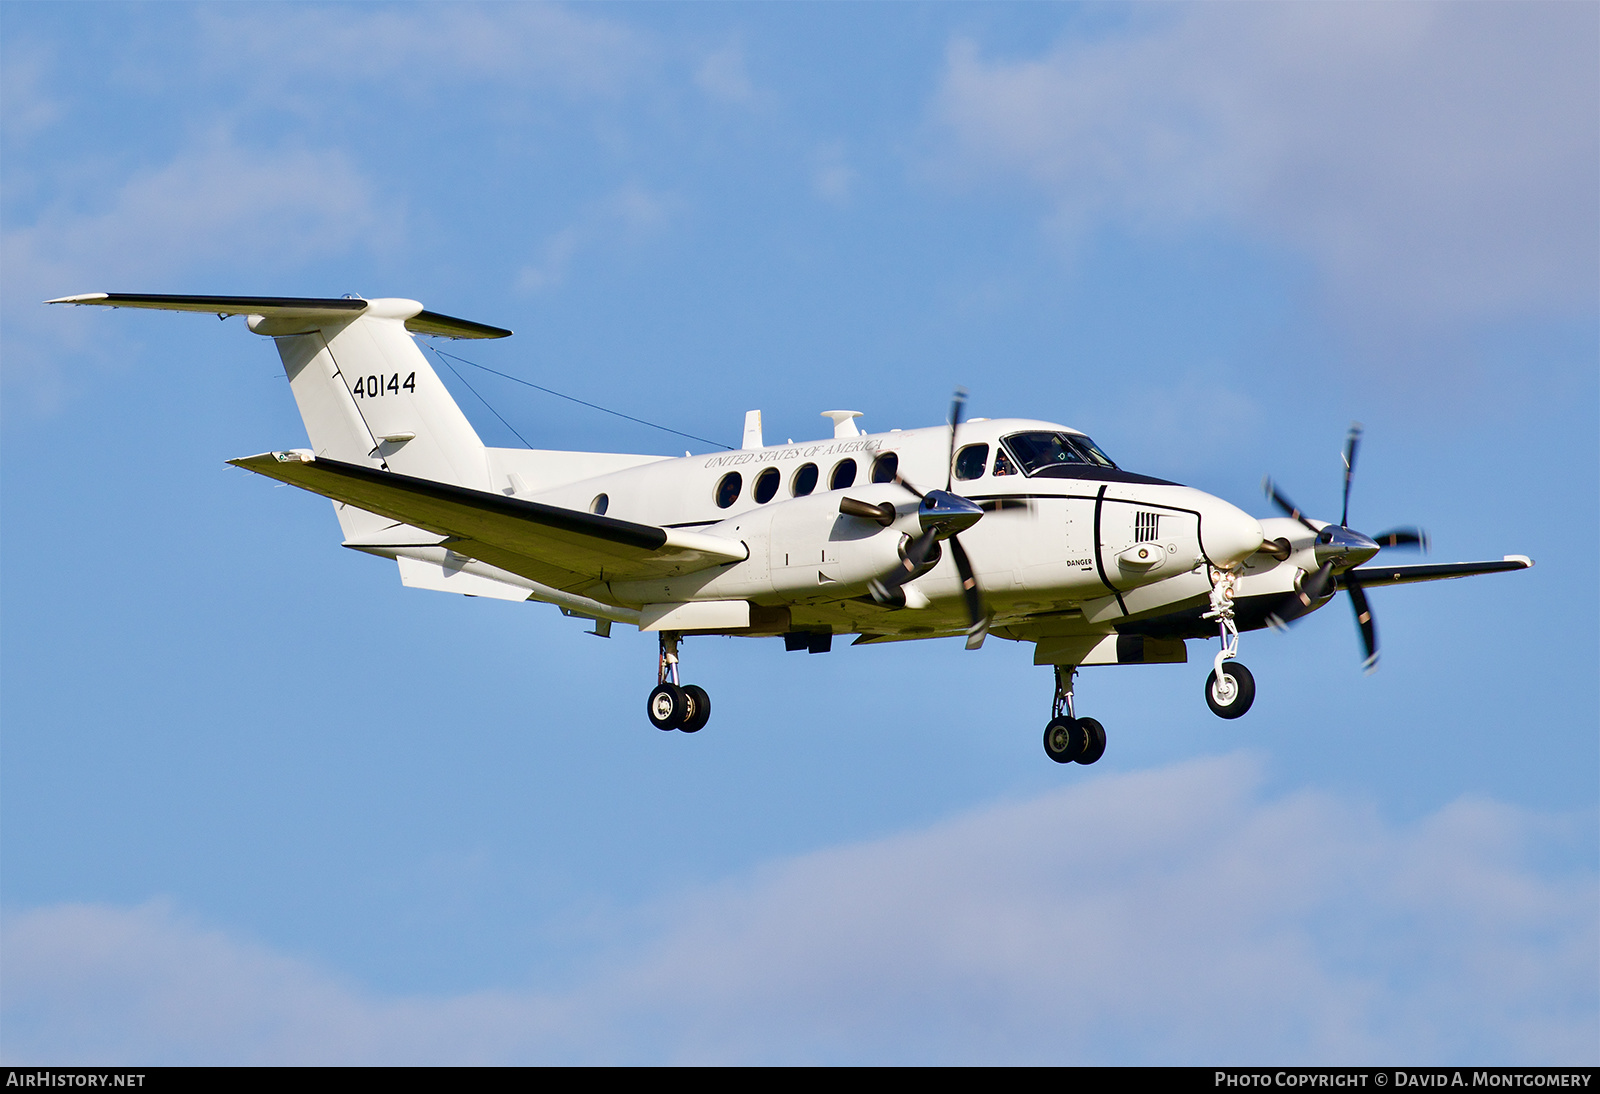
1338	549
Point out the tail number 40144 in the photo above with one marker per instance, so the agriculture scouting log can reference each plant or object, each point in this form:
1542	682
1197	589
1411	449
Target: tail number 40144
370	387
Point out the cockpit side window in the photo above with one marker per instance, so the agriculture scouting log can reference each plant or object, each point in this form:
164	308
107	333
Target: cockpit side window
1037	451
970	461
1003	464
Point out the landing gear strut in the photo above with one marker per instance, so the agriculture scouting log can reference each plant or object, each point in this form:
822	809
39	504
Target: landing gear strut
1230	689
1069	739
686	708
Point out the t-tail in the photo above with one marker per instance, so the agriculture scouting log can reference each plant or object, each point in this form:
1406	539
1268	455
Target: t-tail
366	392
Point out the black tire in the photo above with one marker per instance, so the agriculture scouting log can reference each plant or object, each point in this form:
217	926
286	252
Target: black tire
1094	740
668	706
1064	740
1244	691
699	709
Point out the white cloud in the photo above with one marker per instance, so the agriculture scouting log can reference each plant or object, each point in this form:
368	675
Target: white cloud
1437	162
722	74
529	46
832	178
625	216
26	108
214	203
1179	915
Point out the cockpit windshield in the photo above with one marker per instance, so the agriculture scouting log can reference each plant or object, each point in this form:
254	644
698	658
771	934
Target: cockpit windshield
1037	451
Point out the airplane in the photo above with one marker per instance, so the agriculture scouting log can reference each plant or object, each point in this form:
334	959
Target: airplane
1027	530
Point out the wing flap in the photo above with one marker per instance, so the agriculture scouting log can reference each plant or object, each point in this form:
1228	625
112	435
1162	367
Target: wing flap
501	529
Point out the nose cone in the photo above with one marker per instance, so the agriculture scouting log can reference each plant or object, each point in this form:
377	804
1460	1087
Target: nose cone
1227	533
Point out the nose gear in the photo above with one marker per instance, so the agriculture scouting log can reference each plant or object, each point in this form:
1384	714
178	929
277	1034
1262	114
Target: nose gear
1230	689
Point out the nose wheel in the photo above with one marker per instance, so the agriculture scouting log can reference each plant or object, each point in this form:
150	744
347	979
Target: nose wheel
1230	689
687	707
1069	739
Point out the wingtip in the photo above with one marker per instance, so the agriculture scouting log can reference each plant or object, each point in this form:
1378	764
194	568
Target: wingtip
1527	563
81	298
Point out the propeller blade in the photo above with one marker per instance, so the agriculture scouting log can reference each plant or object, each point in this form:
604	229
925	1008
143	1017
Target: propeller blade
1313	587
1270	488
956	407
976	615
886	589
901	481
1350	444
882	514
1316	586
1369	629
1404	537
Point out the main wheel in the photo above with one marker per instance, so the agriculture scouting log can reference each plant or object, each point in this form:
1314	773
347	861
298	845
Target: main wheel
1230	696
668	706
699	708
1064	740
1094	740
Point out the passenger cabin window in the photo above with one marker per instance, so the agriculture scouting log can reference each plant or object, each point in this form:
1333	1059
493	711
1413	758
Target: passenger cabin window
766	485
728	489
805	480
885	467
1036	451
599	505
844	474
970	461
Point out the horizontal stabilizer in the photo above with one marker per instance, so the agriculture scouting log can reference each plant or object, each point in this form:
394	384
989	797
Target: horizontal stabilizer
1369	575
285	307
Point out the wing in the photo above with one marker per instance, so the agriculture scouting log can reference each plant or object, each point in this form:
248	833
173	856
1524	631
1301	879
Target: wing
1368	576
562	548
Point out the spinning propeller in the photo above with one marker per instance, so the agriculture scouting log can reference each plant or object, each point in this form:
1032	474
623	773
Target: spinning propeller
1339	548
942	515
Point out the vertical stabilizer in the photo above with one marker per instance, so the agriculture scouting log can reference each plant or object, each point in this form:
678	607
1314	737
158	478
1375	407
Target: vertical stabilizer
368	396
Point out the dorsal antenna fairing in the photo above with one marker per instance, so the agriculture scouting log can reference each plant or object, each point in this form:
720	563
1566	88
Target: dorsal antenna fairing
844	422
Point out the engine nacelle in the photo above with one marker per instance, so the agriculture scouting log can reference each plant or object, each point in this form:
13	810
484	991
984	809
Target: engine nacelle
819	553
801	550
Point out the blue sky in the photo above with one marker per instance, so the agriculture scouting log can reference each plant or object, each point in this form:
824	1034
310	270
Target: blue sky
261	803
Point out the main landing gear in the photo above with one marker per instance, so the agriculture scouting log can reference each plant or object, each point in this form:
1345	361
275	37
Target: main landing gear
1230	689
1069	739
686	708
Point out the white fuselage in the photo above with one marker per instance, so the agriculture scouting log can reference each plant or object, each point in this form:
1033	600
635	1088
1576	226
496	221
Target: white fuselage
1047	543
